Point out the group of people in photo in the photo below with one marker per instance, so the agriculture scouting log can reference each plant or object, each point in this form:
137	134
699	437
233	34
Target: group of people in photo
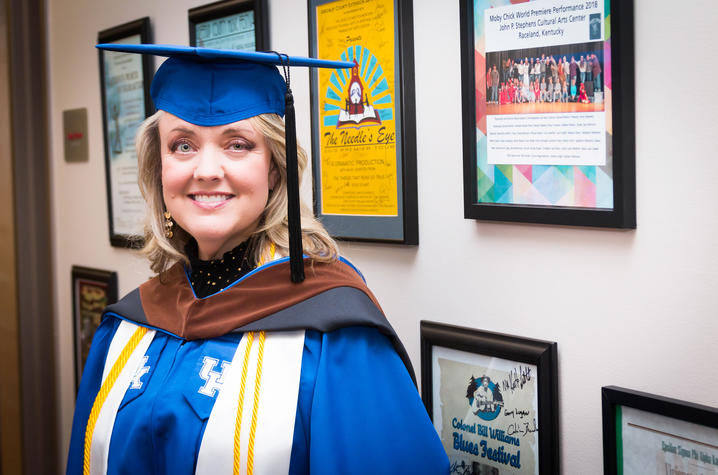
544	79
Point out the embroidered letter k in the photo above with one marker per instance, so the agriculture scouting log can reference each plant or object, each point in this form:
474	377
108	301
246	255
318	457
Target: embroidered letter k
213	379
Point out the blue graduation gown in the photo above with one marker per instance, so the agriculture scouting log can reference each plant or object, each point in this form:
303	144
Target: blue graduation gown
357	409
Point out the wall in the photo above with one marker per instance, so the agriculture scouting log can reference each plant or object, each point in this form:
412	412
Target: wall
631	308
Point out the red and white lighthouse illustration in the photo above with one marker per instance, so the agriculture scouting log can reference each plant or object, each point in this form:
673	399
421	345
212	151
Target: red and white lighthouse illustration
357	110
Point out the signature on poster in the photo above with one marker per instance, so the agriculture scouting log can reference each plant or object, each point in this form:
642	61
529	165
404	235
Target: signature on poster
524	428
517	379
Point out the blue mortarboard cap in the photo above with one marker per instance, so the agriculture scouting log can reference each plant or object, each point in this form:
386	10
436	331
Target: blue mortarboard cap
209	87
217	92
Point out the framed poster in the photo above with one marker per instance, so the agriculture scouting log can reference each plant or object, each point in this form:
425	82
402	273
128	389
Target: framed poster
125	87
363	124
493	399
644	433
230	24
92	291
548	111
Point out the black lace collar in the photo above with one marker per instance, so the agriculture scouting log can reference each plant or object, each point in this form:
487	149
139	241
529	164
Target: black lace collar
209	277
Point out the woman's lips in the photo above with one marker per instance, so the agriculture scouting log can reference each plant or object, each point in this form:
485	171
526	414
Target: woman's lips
210	200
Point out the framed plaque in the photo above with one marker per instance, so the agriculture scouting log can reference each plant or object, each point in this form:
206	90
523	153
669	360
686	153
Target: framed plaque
92	291
230	24
363	124
645	433
493	399
548	111
125	87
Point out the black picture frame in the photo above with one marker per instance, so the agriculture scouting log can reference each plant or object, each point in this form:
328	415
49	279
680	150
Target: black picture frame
92	290
402	228
620	144
141	28
225	8
613	397
542	354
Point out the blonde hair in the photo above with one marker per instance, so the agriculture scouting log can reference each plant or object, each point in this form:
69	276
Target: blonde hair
164	252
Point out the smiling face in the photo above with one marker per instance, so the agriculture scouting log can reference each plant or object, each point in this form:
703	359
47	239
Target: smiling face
215	180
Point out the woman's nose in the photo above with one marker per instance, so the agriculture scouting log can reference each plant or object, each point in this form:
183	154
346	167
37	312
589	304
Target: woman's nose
209	165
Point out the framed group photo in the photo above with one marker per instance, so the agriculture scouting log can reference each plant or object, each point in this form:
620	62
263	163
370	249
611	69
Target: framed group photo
548	111
92	291
230	24
646	433
493	399
126	102
363	120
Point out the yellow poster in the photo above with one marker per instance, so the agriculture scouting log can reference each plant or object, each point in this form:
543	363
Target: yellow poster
357	120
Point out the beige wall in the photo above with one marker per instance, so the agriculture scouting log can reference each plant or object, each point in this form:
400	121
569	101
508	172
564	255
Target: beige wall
632	308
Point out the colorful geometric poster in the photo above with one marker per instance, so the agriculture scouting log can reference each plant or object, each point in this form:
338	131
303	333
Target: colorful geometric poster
543	91
357	117
486	412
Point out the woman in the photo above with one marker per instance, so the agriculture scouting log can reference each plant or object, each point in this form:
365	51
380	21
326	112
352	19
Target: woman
549	91
526	71
582	97
557	92
221	363
526	93
505	99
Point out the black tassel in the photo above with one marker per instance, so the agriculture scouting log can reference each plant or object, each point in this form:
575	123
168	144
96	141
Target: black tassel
296	253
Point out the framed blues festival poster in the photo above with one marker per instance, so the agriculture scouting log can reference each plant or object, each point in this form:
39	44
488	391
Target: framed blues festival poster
92	291
645	433
125	87
363	125
548	111
230	24
493	399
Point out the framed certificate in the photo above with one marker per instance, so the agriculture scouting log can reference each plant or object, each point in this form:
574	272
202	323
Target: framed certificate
493	399
92	291
230	24
125	87
645	433
548	111
363	125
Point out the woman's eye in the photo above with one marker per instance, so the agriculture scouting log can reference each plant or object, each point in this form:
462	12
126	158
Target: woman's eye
239	146
181	147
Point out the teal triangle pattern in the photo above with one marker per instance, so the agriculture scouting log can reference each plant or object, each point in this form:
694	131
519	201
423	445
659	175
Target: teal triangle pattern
604	189
589	172
539	170
484	188
553	185
503	192
566	170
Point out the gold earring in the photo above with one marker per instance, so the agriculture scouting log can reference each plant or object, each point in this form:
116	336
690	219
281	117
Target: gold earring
168	225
